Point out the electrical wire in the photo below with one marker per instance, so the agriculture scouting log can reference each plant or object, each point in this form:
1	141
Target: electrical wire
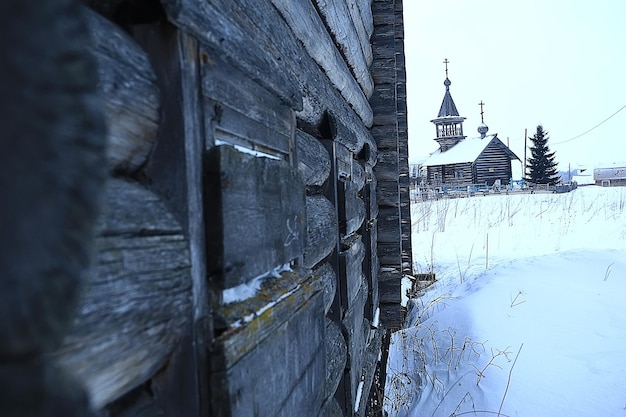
598	125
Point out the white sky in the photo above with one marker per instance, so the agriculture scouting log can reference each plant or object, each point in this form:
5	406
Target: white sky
558	63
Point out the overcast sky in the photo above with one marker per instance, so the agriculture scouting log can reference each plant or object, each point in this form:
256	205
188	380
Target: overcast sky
558	63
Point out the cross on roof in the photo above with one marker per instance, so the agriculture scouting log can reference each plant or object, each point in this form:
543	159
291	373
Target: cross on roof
481	104
445	61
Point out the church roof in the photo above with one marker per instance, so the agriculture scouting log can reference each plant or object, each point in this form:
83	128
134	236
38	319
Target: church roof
467	150
448	108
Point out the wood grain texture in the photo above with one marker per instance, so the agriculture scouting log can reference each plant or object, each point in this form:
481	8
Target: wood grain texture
351	260
351	218
336	356
321	230
129	92
350	37
305	23
279	342
254	38
361	14
254	214
240	111
137	301
246	42
313	159
326	274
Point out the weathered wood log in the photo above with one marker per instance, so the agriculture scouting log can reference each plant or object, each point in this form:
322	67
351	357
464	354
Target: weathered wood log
361	14
331	408
313	159
238	110
326	274
356	330
350	267
370	361
387	167
346	35
305	23
391	316
249	46
268	52
358	176
390	285
351	218
389	225
365	8
129	92
336	356
390	253
321	229
387	193
276	337
137	301
255	215
371	197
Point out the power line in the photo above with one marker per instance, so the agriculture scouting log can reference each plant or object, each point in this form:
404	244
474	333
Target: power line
598	125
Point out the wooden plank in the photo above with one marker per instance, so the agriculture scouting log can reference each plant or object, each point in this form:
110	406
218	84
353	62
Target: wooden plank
391	316
284	349
387	193
313	159
352	216
326	274
305	23
231	28
336	356
242	325
359	175
388	225
255	215
128	89
387	167
239	110
351	270
350	37
321	229
390	253
256	26
370	362
361	15
137	301
356	329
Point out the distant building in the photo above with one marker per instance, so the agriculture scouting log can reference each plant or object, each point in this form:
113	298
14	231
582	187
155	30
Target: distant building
483	160
610	177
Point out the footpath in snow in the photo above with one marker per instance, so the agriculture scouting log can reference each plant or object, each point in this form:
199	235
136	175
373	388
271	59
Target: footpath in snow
528	315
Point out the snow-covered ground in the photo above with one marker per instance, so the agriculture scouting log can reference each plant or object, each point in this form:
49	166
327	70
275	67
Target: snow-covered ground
528	317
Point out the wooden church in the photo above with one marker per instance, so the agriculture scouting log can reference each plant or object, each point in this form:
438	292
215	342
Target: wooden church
459	161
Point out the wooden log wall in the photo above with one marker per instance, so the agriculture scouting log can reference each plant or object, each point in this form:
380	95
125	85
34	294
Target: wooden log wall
256	188
390	131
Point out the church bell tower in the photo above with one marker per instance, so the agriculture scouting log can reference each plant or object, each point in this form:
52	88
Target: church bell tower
448	124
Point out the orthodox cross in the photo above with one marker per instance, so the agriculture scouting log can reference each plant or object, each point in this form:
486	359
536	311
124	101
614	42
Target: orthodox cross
445	61
481	104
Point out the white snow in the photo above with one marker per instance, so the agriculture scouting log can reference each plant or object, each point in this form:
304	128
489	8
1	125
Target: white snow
248	289
527	317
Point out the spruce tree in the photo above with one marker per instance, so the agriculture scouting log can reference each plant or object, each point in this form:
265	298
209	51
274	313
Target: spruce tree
542	167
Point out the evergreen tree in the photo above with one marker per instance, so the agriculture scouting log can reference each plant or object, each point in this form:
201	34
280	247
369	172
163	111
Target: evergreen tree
541	168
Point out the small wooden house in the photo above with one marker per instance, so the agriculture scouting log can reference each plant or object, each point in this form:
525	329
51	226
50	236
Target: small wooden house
459	162
610	176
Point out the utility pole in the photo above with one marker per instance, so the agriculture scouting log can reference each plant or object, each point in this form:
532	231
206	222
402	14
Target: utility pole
525	146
